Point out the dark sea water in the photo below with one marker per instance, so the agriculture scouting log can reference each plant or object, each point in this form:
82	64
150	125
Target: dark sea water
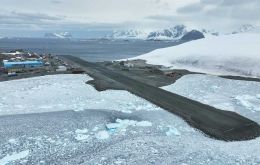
91	50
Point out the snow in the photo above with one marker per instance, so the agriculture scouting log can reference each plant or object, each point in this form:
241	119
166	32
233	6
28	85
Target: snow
14	157
64	92
249	102
236	54
226	94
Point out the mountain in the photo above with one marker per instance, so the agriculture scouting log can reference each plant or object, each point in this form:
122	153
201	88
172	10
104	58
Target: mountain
193	35
244	28
236	54
62	35
210	32
177	33
128	34
173	33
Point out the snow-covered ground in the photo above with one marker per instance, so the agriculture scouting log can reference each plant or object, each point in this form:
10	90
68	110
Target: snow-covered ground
242	97
63	92
112	135
237	54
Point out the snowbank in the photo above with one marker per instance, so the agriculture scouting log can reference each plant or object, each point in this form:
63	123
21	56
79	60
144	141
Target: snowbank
237	54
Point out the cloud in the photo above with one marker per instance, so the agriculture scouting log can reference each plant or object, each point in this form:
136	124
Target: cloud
222	12
108	14
56	2
191	8
14	17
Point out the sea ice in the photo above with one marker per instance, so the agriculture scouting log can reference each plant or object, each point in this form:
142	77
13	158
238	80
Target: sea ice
14	157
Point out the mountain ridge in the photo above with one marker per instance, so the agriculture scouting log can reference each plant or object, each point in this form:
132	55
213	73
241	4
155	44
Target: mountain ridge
172	33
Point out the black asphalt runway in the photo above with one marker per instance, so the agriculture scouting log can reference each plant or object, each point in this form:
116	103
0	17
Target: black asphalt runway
219	124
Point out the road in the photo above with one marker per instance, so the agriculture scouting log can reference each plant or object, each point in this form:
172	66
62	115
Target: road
219	124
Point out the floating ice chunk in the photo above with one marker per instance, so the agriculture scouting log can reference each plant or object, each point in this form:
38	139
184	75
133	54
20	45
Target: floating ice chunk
123	124
258	96
15	156
13	141
81	137
173	131
95	128
102	135
144	124
81	131
113	126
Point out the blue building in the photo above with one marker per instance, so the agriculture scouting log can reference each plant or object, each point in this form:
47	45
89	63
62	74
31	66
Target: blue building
20	65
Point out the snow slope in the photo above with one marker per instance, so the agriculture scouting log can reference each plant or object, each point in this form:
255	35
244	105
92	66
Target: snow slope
242	97
237	54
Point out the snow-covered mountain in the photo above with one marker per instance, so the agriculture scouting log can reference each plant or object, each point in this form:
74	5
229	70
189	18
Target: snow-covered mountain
207	32
237	54
62	35
245	28
128	34
173	33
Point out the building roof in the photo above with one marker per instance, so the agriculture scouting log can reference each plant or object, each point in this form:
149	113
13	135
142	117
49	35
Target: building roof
10	63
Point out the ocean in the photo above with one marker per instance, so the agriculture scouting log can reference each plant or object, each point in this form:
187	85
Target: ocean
91	50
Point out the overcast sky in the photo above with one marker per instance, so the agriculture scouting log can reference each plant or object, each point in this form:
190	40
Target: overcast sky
32	16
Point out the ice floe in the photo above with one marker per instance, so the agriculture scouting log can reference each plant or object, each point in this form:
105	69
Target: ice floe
121	125
14	157
102	135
